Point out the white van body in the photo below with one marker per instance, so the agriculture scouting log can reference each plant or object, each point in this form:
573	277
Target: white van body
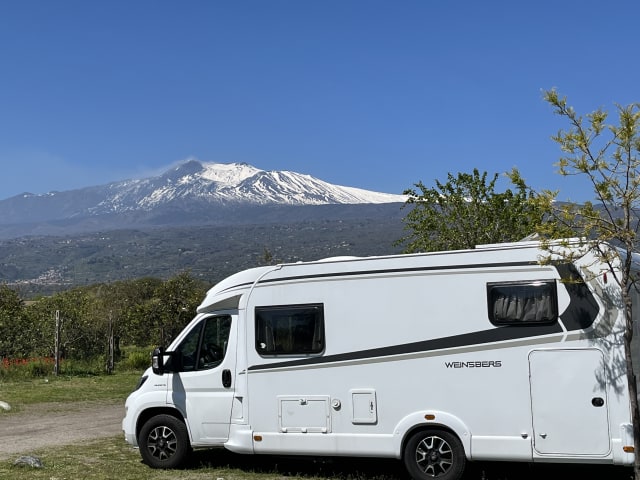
392	346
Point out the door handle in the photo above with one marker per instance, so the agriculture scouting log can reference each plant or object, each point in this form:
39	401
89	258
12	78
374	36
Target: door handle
226	378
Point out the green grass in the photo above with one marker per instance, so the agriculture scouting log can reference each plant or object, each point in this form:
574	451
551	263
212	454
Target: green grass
101	388
113	458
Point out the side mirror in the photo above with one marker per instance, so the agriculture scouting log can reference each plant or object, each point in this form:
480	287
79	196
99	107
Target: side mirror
157	361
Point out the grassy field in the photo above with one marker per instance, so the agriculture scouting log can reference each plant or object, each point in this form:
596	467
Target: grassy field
68	389
112	458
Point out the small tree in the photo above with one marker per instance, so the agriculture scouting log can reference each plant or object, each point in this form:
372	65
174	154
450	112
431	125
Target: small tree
177	300
467	211
267	258
11	323
607	157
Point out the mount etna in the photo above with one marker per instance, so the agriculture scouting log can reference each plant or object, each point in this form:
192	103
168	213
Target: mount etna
207	218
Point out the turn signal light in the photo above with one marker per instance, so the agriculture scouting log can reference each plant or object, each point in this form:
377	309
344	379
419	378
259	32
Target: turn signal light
257	438
628	449
429	416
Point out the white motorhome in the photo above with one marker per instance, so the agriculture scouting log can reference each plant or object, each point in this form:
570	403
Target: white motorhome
435	359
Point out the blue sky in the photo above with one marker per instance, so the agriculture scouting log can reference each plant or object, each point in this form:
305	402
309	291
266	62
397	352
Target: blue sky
365	93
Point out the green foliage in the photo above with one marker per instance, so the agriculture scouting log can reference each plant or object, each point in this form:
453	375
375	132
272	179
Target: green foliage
25	368
139	312
40	367
44	265
91	366
466	211
135	358
179	297
267	257
11	322
607	156
79	333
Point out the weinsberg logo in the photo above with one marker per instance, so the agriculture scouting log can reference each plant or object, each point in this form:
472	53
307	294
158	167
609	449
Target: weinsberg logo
475	364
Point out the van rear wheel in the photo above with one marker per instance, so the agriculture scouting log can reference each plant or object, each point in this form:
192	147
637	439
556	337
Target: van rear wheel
164	442
431	454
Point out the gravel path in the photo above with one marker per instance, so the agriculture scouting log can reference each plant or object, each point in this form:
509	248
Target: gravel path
49	424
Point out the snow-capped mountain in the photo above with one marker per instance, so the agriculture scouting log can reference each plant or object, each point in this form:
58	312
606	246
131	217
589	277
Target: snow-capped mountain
191	192
234	183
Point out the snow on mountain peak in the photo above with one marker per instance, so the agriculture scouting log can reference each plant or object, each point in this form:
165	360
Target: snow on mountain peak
225	184
228	173
189	190
244	183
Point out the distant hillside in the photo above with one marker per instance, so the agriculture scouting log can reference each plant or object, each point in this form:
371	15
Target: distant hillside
46	264
211	219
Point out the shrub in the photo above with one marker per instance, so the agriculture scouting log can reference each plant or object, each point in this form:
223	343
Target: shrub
41	367
17	368
136	360
91	366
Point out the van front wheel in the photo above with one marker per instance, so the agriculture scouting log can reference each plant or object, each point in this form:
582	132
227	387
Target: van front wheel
164	442
431	454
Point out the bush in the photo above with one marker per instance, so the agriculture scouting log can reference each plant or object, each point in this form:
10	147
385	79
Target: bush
17	368
91	366
41	367
135	359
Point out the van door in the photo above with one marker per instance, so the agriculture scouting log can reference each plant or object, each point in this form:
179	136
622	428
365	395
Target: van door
569	402
201	386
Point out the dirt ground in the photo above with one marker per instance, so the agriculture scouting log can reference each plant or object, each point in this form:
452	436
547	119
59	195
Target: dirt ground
49	424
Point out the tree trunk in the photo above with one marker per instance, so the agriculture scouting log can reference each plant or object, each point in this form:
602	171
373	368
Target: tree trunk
631	382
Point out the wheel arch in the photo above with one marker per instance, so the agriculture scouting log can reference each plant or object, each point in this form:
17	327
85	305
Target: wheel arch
431	420
152	412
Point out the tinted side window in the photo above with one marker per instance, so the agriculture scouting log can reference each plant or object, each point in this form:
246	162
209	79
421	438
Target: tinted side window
215	340
290	329
513	303
204	346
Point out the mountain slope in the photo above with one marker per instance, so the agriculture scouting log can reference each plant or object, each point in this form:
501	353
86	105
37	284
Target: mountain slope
234	183
48	264
192	188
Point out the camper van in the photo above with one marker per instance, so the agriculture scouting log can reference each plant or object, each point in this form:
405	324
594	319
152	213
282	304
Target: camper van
434	359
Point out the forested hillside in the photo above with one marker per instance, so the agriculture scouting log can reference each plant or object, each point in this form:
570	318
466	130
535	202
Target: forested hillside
140	287
49	264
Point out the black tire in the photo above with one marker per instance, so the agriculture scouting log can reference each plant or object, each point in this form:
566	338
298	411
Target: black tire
164	442
434	453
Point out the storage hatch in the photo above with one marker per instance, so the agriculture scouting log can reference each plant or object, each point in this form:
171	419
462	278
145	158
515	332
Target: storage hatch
304	414
364	406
